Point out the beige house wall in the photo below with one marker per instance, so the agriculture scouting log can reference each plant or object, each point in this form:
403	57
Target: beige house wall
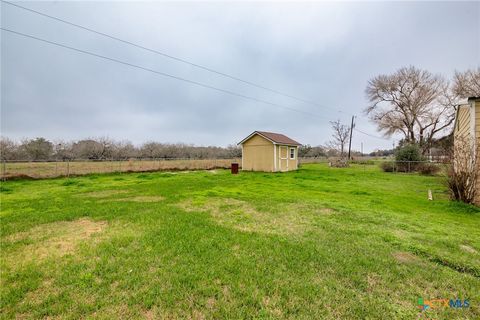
257	154
462	125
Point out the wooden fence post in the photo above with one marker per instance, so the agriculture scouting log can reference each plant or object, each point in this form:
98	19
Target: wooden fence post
4	170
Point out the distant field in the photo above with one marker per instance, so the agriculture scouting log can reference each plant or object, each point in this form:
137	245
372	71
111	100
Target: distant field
64	168
319	243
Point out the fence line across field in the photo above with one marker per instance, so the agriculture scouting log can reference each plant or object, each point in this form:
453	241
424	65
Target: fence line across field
46	169
68	167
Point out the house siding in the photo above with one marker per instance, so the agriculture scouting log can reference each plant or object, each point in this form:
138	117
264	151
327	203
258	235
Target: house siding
462	125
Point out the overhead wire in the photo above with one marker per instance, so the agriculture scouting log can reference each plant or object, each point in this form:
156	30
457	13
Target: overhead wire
173	58
200	84
169	56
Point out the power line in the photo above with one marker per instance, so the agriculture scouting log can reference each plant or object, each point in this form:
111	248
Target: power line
169	56
162	73
370	135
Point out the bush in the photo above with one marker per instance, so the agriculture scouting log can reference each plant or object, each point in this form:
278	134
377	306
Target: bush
387	166
407	158
409	152
363	162
428	169
338	163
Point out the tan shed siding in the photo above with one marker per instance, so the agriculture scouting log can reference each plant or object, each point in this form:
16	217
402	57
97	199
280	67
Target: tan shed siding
258	154
277	157
293	164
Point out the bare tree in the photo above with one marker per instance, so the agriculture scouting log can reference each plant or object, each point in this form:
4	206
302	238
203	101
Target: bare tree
63	150
123	150
412	102
8	149
467	84
340	135
95	148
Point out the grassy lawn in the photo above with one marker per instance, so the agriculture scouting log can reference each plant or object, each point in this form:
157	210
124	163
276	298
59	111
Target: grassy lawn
320	243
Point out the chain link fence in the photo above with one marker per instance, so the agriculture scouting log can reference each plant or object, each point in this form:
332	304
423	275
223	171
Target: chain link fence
12	169
428	167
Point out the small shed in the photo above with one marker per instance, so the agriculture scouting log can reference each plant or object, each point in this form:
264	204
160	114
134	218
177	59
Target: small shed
467	130
269	152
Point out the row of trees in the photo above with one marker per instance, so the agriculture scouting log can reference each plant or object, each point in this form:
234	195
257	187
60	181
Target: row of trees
105	148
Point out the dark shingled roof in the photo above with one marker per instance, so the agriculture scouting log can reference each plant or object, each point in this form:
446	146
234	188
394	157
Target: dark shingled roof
276	138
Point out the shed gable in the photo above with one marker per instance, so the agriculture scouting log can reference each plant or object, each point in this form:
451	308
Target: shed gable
257	140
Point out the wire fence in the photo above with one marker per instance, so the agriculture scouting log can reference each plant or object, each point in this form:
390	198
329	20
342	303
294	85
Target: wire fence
12	169
429	167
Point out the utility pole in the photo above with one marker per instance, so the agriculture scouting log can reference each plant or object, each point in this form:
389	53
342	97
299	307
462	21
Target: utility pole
362	148
350	142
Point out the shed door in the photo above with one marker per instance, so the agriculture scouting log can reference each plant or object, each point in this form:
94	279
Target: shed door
283	158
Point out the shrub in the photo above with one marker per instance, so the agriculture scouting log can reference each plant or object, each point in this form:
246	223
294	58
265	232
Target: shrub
338	163
463	173
387	166
428	169
407	158
363	162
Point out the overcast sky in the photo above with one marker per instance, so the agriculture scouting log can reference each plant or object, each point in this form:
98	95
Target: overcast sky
322	52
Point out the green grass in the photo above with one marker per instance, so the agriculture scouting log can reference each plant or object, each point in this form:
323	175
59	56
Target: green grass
319	243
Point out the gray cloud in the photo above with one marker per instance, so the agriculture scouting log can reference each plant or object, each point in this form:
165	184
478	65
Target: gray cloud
323	52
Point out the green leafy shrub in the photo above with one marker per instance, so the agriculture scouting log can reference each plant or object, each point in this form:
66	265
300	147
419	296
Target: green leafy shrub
407	158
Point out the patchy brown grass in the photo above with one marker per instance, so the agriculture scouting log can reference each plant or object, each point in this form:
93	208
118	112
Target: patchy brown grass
102	193
52	240
405	257
142	199
273	307
468	249
292	219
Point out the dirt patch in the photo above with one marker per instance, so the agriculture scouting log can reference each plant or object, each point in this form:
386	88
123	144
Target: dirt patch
405	257
102	193
53	239
143	199
468	249
243	216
